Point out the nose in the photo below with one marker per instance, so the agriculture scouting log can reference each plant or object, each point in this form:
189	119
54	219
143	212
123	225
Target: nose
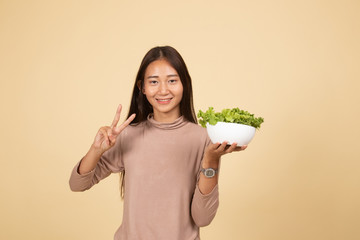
163	88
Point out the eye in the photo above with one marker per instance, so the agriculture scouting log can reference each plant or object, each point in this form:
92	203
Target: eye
172	81
153	82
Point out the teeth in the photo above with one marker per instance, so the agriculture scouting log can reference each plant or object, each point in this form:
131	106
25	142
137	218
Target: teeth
163	100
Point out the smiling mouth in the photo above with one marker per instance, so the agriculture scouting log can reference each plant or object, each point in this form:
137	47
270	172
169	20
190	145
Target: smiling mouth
163	101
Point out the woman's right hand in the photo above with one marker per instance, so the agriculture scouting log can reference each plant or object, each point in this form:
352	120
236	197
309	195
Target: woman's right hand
106	136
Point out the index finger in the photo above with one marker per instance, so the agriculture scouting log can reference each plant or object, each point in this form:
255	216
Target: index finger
117	117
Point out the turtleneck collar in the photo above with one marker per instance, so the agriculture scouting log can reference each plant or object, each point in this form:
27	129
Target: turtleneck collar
179	122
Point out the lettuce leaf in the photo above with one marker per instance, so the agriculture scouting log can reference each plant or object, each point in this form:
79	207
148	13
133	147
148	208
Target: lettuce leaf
234	115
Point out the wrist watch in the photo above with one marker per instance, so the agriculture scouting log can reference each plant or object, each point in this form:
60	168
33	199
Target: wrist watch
209	172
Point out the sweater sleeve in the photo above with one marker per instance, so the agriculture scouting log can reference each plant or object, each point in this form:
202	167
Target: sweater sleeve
110	162
204	207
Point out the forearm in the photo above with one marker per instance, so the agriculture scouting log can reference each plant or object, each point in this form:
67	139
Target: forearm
89	161
211	159
206	197
206	185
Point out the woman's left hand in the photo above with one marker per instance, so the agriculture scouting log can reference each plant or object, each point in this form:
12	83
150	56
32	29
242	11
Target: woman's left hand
214	151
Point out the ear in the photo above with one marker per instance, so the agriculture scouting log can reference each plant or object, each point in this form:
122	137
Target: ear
138	83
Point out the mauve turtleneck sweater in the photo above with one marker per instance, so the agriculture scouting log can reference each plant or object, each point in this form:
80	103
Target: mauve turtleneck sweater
162	164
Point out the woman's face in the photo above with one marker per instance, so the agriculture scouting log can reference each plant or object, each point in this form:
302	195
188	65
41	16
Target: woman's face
163	90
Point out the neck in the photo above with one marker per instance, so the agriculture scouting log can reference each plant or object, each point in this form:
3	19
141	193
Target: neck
165	117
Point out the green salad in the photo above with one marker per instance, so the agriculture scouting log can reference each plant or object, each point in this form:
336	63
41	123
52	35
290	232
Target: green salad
234	115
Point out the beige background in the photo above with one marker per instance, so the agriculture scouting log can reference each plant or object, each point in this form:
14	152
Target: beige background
65	65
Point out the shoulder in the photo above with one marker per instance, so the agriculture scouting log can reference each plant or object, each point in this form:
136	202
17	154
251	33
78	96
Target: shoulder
196	127
130	135
197	131
131	130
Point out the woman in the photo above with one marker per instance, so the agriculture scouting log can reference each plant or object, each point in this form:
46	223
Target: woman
170	186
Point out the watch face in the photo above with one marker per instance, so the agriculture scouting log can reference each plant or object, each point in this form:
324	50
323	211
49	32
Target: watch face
209	172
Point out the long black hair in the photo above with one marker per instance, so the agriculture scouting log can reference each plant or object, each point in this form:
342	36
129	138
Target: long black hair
139	103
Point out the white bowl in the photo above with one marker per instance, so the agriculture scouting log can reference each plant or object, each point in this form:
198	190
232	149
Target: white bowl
230	132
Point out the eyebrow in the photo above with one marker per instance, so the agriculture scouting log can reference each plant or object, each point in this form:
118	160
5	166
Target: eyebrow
170	75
